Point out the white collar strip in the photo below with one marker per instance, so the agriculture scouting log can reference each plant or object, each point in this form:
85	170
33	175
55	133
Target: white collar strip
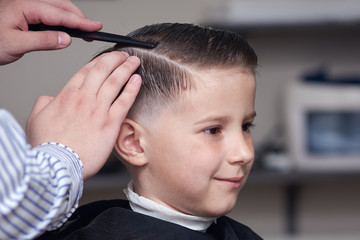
148	207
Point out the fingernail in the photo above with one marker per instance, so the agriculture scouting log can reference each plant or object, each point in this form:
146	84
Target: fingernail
125	53
63	39
133	59
99	25
135	78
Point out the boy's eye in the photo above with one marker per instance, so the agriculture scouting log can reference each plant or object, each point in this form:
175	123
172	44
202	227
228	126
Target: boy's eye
213	130
247	126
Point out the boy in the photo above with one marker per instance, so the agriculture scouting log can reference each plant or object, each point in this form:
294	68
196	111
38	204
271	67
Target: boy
186	141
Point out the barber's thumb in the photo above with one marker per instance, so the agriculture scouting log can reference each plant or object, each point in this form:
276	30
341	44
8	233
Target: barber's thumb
47	40
41	103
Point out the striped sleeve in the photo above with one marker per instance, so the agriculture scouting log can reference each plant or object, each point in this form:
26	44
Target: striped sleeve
39	188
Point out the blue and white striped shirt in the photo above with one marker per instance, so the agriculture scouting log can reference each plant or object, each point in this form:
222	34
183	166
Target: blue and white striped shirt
39	187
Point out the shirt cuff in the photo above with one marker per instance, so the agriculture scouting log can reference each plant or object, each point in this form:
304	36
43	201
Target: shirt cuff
72	163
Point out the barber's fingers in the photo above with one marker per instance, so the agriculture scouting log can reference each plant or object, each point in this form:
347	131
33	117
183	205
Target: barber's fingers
104	76
118	78
126	99
43	12
102	69
66	5
78	79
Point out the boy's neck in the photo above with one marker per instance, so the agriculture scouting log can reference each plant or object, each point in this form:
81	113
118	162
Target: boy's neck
148	207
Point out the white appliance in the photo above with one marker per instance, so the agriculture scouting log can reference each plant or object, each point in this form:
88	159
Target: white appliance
323	126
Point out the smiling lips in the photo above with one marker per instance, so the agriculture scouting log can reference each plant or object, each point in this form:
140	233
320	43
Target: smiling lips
234	182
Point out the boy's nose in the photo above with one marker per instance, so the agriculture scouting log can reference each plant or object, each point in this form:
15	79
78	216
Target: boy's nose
242	151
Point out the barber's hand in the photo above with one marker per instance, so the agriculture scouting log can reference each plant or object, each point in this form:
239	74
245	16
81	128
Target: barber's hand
15	15
84	115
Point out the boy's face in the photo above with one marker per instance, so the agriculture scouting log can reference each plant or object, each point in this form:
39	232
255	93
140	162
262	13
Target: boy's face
200	154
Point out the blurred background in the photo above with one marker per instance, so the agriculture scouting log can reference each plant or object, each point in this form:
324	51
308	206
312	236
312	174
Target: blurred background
306	180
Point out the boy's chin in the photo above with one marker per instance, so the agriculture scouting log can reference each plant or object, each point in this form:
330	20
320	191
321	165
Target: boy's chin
217	212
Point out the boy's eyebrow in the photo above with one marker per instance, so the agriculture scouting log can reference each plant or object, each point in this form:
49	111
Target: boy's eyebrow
250	116
214	118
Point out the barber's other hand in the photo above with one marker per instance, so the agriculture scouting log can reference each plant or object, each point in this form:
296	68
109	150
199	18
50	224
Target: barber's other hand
84	115
15	15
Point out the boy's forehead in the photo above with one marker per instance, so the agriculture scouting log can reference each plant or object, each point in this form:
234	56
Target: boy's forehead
202	77
214	83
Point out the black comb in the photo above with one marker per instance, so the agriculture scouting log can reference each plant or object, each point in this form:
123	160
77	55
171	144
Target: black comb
98	36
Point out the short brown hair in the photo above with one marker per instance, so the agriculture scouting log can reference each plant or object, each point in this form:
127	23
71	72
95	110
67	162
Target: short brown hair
166	70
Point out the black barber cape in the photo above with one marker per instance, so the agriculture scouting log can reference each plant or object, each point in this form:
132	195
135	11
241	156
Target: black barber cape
114	219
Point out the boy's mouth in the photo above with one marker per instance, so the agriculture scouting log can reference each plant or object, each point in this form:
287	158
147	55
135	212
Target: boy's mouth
233	182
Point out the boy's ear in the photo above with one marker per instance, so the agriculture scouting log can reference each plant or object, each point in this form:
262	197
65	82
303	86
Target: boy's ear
128	144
